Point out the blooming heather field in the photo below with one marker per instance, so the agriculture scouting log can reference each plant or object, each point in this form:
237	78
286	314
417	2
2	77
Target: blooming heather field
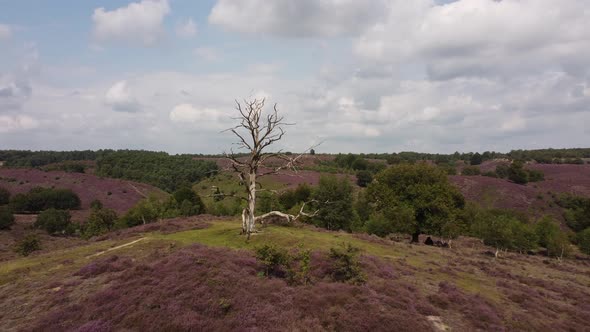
206	278
535	198
119	195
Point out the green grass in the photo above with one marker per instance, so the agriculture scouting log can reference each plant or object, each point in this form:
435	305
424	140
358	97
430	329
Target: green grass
227	234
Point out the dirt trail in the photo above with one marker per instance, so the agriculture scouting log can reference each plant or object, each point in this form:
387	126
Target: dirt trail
117	247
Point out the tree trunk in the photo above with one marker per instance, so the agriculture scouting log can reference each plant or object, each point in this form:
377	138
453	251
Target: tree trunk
251	202
415	237
244	221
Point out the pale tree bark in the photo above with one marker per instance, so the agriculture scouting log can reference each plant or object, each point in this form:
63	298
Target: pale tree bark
255	132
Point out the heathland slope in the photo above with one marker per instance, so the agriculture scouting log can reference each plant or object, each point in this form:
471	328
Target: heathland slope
119	195
199	274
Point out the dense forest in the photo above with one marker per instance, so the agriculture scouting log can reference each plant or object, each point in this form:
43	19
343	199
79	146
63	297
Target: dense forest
168	172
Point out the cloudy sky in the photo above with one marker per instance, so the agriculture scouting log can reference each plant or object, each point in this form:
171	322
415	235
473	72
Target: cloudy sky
362	76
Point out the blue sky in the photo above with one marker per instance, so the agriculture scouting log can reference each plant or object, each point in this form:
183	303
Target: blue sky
362	76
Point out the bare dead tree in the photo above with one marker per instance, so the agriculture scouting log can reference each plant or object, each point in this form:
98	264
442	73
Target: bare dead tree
257	131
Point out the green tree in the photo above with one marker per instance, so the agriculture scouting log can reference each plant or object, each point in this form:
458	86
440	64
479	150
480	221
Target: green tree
424	190
504	230
584	241
27	245
517	173
502	170
476	159
6	217
576	211
55	222
96	204
363	178
470	171
100	221
145	211
4	196
188	201
335	196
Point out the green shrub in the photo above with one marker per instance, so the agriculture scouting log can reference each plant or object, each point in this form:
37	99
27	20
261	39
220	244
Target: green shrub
397	219
96	204
55	222
559	245
584	241
188	202
39	199
144	212
517	174
476	159
546	229
502	171
490	174
274	259
471	170
290	198
298	272
576	211
6	217
503	230
4	196
363	178
27	245
345	265
100	221
535	176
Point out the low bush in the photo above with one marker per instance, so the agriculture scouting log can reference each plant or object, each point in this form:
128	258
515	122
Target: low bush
490	174
100	221
363	178
55	222
504	231
274	259
345	265
27	245
576	211
40	199
4	196
552	237
96	204
6	217
584	241
471	171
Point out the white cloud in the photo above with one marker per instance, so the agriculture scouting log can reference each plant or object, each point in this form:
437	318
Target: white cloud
138	22
119	97
301	18
5	31
15	123
188	114
186	29
471	38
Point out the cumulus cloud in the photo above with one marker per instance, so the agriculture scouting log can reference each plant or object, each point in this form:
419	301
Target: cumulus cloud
187	113
13	93
475	38
302	18
137	22
119	97
5	31
186	29
15	123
